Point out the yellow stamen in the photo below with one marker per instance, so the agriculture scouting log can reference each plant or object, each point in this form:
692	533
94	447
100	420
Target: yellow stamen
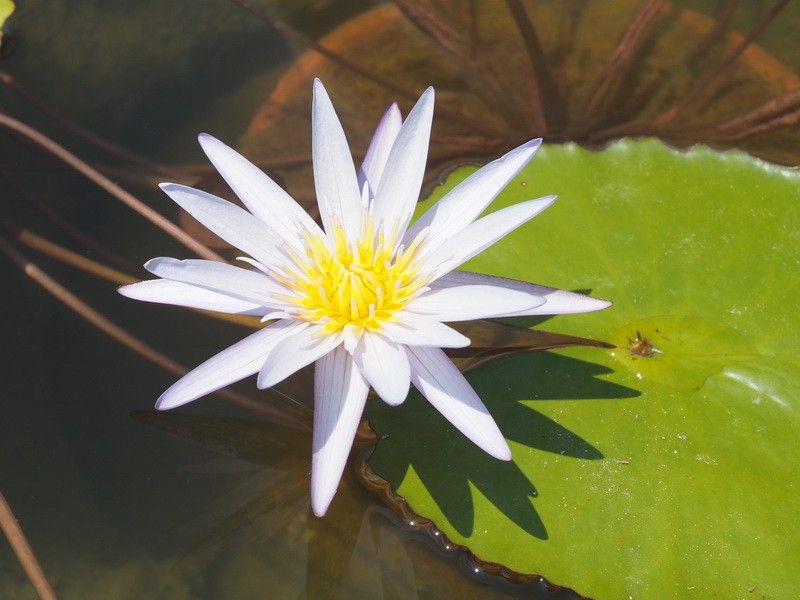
360	284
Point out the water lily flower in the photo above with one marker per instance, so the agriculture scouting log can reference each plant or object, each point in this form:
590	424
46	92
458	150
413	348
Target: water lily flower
366	297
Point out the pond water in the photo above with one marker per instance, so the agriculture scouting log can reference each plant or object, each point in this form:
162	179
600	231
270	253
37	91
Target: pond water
212	502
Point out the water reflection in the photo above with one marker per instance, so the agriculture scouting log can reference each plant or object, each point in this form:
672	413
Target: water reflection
360	550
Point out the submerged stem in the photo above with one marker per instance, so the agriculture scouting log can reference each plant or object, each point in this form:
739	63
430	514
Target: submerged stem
95	140
74	232
45	143
607	85
767	115
714	34
281	415
547	102
53	250
24	552
484	81
704	89
87	265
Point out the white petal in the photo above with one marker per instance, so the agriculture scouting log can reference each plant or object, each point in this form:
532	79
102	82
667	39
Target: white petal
232	364
335	179
556	302
295	352
398	191
468	302
483	233
438	379
278	314
339	396
462	205
418	330
250	286
384	365
233	224
164	291
263	197
379	148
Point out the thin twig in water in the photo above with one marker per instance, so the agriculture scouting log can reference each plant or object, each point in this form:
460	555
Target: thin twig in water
706	87
713	34
774	108
45	246
782	121
23	551
607	84
87	265
546	102
483	80
284	415
44	142
395	88
639	102
565	31
471	27
304	40
87	242
426	20
109	147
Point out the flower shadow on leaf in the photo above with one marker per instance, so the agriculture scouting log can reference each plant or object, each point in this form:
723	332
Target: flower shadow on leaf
416	436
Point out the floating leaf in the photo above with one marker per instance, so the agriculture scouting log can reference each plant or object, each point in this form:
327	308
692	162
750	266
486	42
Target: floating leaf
668	466
506	72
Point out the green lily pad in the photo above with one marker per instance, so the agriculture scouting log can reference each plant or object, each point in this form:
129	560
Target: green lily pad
666	467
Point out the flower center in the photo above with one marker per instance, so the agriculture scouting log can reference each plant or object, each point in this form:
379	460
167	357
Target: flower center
362	284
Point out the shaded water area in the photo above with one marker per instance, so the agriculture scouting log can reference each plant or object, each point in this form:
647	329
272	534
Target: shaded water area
212	501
